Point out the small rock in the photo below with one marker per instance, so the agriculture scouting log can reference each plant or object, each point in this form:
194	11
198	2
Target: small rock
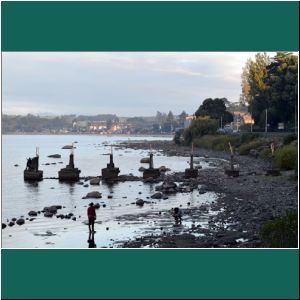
48	214
32	213
3	225
157	196
10	224
74	218
16	165
55	156
109	196
95	181
94	194
20	221
140	202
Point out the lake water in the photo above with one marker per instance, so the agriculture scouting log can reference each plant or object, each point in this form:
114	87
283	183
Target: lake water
113	227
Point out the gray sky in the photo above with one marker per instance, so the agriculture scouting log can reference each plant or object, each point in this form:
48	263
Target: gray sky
122	83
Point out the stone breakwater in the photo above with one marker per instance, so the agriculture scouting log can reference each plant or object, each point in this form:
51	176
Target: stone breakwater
244	203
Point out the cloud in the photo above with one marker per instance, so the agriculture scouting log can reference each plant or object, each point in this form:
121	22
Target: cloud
124	83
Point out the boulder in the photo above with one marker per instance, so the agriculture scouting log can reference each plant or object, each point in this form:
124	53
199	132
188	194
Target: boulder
20	221
95	181
140	202
51	209
94	194
32	213
68	147
55	156
157	196
3	225
48	214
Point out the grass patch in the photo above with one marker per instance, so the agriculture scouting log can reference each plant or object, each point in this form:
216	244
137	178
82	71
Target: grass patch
244	149
216	142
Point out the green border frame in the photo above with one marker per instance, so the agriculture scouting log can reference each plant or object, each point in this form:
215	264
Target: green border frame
150	26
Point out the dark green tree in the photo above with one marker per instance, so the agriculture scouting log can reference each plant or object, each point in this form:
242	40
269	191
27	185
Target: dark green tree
215	109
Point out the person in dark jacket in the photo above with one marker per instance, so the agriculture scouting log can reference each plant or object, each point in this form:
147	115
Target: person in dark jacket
91	212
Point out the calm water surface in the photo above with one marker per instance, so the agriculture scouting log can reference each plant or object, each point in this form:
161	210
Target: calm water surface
19	197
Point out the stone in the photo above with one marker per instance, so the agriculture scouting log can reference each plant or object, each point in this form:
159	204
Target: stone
3	225
95	181
140	202
48	214
14	219
55	156
141	169
85	185
32	213
109	197
51	209
10	224
94	194
74	218
20	221
68	147
97	205
157	195
16	165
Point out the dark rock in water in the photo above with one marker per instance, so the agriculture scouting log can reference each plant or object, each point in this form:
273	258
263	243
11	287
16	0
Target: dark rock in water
80	183
95	181
107	228
14	219
109	196
94	194
74	218
67	217
140	202
140	193
165	197
85	185
26	218
104	205
164	169
51	209
62	216
157	196
68	147
10	224
16	165
47	164
55	156
70	214
58	206
31	219
20	221
189	203
141	169
97	205
32	213
3	225
48	214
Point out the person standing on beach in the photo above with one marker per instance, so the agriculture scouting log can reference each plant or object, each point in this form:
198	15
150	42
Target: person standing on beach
91	212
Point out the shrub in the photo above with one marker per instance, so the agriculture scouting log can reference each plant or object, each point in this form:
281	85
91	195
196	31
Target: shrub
289	138
216	142
286	157
248	137
281	232
198	128
245	148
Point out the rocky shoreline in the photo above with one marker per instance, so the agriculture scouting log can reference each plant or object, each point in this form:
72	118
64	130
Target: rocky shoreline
244	203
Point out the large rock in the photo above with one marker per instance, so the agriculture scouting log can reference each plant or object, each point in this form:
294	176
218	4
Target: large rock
94	194
20	221
140	202
95	181
51	209
3	225
48	214
55	156
157	196
32	213
68	147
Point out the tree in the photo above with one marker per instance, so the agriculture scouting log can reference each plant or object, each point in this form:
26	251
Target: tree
215	109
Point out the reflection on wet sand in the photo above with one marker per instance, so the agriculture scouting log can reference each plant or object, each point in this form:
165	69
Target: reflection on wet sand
91	240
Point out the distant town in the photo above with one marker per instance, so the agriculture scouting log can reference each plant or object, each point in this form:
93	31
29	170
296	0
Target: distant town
162	123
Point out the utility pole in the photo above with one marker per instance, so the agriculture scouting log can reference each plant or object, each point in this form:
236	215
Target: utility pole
266	128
